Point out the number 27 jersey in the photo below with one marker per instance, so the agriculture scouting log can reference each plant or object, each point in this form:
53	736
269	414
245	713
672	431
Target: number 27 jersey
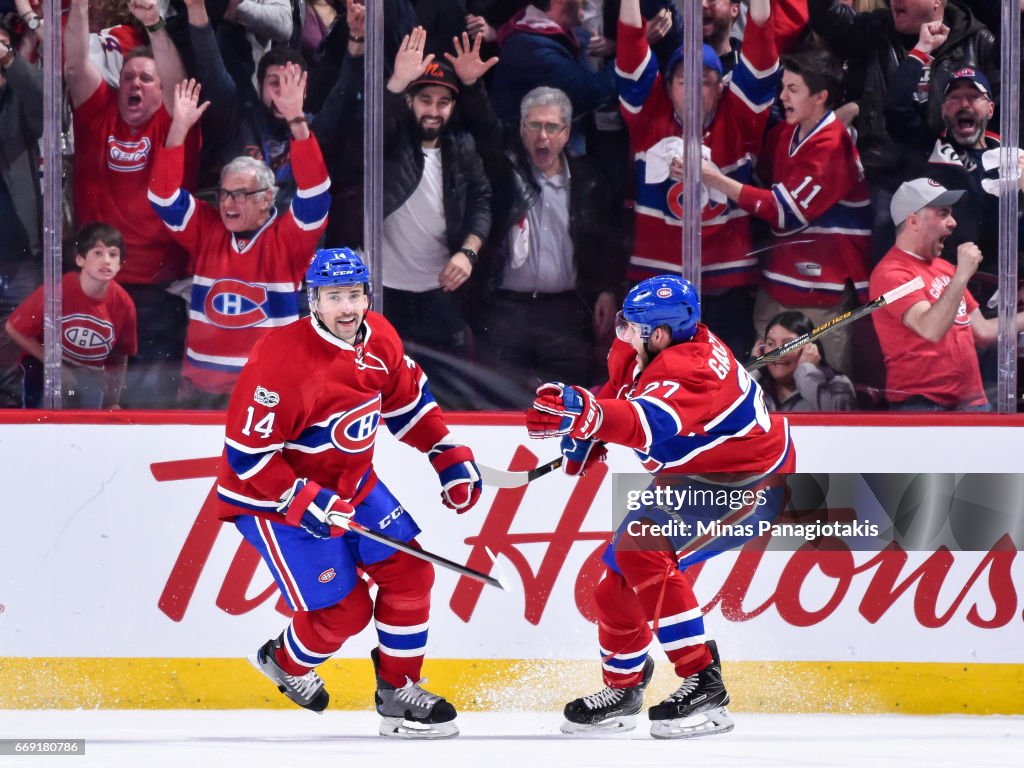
696	410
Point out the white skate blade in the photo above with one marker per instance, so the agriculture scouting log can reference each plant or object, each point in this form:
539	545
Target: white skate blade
702	724
400	728
608	727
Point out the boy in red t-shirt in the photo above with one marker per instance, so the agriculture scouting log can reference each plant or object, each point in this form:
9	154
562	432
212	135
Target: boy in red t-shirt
97	326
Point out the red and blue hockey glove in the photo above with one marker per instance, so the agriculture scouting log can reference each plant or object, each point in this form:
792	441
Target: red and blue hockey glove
315	509
564	410
581	455
460	478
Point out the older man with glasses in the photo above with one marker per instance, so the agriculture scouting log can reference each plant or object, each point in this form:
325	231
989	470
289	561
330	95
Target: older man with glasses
248	259
555	258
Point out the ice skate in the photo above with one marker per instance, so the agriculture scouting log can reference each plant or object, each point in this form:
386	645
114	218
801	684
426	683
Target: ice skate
697	708
611	710
410	712
306	690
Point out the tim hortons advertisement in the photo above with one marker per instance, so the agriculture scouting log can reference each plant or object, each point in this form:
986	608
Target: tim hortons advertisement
112	549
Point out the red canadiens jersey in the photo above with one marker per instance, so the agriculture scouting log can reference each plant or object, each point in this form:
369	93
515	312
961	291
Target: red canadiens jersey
308	405
820	213
945	371
734	138
90	330
695	409
112	167
241	290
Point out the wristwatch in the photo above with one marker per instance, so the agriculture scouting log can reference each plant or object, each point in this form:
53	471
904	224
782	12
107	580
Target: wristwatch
470	254
32	22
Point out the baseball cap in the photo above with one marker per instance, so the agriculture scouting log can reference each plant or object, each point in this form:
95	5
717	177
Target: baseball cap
977	79
916	194
710	60
437	74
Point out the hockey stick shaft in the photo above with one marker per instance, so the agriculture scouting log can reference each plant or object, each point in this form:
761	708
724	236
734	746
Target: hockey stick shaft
422	554
839	321
507	479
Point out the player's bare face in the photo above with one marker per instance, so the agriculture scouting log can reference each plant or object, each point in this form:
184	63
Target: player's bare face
244	204
544	133
100	263
432	107
138	94
711	92
909	15
782	369
341	309
965	113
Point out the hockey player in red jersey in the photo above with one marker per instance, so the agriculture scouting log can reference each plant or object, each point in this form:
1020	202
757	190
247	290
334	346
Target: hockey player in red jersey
298	465
677	396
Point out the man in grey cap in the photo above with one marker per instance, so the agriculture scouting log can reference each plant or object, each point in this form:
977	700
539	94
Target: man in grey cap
928	337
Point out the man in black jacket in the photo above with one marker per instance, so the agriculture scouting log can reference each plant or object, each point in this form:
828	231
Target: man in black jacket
437	205
876	43
555	258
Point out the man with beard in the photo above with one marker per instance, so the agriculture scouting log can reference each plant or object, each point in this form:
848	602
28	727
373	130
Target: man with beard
437	205
718	18
955	156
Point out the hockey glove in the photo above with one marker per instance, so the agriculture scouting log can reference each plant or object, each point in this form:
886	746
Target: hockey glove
581	455
460	478
563	410
315	509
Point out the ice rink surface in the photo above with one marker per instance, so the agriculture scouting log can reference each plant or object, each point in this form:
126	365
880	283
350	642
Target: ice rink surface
280	739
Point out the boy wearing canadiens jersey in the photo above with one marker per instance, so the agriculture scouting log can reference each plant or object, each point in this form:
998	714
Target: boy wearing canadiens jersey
247	259
817	205
97	329
298	465
677	396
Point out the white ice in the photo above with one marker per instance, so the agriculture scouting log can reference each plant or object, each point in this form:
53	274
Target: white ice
276	739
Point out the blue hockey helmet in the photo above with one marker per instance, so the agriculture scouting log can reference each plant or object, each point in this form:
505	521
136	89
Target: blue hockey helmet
336	266
663	300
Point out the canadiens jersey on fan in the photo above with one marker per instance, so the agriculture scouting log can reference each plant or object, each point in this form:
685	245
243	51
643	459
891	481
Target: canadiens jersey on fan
241	290
695	410
734	138
308	405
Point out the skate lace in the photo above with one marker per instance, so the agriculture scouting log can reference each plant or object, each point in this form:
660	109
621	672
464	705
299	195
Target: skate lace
413	694
689	686
306	685
603	698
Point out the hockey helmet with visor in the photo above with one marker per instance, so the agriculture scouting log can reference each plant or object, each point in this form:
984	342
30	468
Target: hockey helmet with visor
663	300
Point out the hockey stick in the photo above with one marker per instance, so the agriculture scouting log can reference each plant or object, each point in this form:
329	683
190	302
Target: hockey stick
501	582
499	478
844	319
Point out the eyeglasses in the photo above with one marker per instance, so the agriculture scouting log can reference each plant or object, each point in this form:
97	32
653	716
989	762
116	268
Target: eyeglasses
238	195
550	129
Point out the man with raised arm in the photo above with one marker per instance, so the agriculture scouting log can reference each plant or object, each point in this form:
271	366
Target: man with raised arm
248	259
117	132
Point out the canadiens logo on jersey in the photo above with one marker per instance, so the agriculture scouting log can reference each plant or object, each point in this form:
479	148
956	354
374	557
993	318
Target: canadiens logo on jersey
351	431
127	156
354	431
235	304
87	338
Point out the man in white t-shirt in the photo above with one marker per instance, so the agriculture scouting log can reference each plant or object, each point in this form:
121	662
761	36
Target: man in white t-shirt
436	204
